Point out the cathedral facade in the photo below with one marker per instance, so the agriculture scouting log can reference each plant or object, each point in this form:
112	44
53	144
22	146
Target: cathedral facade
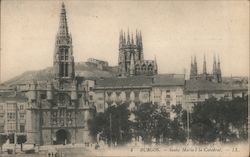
131	58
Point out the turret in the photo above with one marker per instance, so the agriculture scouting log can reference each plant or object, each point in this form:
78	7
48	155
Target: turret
128	39
191	68
195	67
33	92
74	91
155	66
204	66
132	39
219	71
140	46
214	66
49	91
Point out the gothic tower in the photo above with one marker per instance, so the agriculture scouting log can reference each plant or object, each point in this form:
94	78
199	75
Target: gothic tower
204	66
194	68
219	79
215	70
63	56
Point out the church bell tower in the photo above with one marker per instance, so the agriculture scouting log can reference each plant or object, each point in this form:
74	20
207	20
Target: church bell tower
63	56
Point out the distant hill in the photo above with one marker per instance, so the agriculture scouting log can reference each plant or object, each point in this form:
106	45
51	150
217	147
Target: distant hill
82	69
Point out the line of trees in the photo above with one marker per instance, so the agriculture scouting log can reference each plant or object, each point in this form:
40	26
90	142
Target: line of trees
210	121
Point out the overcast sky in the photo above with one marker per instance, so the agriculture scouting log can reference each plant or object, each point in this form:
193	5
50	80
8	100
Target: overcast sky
171	31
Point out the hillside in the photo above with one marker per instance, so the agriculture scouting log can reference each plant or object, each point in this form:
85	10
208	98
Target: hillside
81	69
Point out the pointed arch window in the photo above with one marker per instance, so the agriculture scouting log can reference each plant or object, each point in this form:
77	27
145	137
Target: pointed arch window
150	67
137	68
144	68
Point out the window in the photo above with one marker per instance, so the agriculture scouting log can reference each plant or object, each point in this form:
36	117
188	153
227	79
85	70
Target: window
21	107
137	68
91	97
11	127
168	91
11	116
21	116
43	96
1	128
150	67
1	107
22	128
168	96
11	106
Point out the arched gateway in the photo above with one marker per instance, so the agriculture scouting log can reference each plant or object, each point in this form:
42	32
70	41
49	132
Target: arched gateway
62	137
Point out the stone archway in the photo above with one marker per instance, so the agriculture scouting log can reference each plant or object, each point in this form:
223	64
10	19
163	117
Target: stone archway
62	137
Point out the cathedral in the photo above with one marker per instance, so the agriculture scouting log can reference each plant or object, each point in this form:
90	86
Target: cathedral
59	109
131	59
215	76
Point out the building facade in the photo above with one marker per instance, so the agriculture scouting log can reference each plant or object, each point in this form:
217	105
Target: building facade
13	115
59	109
165	90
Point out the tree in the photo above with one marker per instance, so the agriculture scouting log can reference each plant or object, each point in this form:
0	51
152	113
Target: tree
153	121
113	125
21	139
214	119
3	139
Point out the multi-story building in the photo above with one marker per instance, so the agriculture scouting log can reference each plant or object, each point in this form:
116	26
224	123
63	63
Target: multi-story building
131	58
199	90
13	114
164	89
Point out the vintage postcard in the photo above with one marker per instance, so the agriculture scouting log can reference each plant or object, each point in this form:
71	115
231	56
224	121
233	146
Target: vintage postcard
124	78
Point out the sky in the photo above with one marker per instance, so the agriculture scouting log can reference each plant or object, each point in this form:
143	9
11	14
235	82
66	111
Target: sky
172	31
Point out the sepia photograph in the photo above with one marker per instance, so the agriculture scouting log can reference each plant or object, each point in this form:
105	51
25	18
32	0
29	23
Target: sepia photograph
111	78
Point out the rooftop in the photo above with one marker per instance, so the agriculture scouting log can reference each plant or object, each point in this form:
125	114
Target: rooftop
204	85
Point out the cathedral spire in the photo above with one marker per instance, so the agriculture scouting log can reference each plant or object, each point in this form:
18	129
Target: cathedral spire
191	68
124	38
121	39
63	55
195	66
214	66
219	70
140	40
132	39
63	26
204	65
136	38
155	66
128	39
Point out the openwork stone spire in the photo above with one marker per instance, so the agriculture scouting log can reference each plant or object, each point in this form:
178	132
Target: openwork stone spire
63	26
